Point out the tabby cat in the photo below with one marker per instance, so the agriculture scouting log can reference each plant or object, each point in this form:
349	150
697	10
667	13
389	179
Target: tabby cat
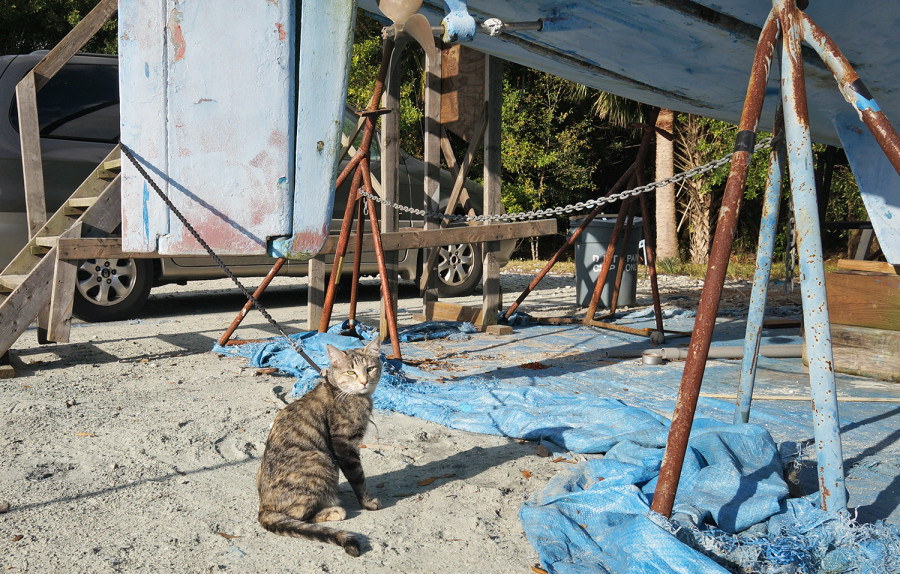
310	439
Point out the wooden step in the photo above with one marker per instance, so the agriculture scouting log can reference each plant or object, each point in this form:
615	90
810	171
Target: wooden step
110	169
77	205
8	283
48	241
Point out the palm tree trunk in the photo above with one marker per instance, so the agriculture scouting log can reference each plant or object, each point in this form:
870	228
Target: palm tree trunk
666	234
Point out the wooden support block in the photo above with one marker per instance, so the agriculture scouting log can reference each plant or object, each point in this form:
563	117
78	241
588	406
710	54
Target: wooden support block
871	301
62	296
867	352
881	267
438	311
498	330
315	293
6	370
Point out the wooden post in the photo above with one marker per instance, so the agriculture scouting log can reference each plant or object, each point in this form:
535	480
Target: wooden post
315	292
30	142
432	196
390	178
65	275
492	203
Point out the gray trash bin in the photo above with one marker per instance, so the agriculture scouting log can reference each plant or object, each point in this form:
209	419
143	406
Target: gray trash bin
590	249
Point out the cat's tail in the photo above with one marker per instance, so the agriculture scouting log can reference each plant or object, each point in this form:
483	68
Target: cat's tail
283	524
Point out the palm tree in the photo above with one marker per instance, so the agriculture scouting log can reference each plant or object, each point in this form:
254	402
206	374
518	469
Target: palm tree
666	233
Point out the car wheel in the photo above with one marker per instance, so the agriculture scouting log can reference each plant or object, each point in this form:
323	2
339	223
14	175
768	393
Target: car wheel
111	289
458	269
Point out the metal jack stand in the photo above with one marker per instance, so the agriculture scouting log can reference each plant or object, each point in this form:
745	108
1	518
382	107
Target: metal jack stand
794	26
631	176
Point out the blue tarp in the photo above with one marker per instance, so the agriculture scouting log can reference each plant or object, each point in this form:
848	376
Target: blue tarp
732	511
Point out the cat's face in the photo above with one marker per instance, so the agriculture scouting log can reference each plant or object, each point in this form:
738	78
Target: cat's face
355	372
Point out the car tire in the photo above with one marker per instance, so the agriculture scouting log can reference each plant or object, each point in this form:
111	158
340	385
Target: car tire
111	289
458	269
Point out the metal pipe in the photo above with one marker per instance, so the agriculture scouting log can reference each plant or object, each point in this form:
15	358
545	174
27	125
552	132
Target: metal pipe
623	259
650	250
607	263
223	340
764	254
683	417
817	327
382	267
852	88
357	259
341	250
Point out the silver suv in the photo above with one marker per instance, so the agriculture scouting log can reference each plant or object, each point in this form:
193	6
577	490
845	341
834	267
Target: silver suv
79	121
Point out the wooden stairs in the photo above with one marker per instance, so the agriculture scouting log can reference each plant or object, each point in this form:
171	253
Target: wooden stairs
37	283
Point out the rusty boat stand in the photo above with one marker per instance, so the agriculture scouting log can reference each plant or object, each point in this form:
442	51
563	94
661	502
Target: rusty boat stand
632	176
789	24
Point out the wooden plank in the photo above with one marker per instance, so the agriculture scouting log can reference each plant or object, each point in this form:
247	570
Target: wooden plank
390	178
22	306
801	398
864	300
462	83
433	131
882	267
74	41
62	296
866	352
492	202
315	292
92	248
440	311
30	142
6	369
498	330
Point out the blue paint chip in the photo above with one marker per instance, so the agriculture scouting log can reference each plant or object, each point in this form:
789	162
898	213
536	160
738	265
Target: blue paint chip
863	104
146	70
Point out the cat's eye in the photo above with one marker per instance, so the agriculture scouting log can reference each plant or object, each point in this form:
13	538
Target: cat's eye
372	369
350	373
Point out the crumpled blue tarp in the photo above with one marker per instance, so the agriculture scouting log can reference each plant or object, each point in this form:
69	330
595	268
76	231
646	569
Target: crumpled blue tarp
731	479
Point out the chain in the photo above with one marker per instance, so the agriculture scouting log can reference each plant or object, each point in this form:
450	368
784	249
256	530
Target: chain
572	208
216	258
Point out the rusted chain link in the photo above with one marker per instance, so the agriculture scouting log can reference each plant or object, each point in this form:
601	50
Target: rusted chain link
572	208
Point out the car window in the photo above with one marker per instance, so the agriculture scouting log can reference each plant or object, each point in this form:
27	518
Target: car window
81	102
350	125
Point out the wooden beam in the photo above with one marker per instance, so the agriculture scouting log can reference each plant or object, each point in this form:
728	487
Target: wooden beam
458	186
433	131
315	292
882	267
864	300
492	202
62	296
22	306
92	248
73	41
866	352
30	143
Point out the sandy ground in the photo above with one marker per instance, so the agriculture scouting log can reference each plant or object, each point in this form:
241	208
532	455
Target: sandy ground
134	448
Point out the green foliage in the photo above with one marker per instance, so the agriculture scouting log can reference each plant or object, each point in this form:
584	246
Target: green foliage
40	24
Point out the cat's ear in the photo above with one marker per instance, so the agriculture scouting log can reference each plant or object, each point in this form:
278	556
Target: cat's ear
336	355
374	347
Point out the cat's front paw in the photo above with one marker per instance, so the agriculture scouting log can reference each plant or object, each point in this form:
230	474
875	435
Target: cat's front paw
371	504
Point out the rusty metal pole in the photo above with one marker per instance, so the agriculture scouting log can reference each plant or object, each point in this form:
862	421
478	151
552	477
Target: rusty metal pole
223	340
683	417
623	259
343	240
816	323
853	89
765	249
357	259
650	248
607	263
382	268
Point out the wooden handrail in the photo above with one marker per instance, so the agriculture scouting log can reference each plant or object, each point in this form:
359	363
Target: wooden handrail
26	96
